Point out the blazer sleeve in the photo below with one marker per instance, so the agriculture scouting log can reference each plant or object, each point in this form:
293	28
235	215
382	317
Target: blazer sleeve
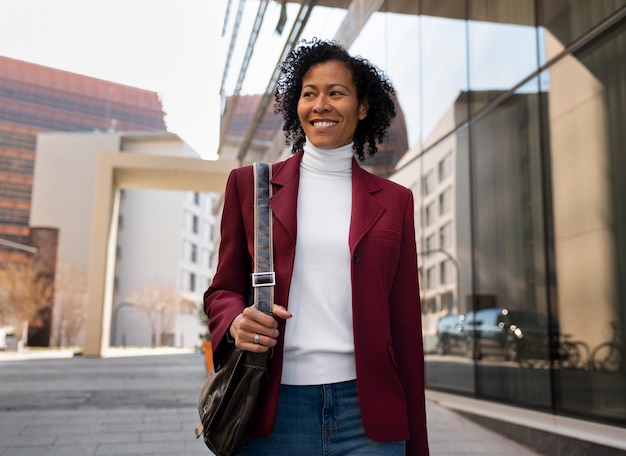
227	294
407	335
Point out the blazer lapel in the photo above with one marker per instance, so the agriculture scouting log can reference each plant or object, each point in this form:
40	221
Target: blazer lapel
366	210
284	199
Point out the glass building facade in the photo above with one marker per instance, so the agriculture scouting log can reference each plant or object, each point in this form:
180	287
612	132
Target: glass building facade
515	117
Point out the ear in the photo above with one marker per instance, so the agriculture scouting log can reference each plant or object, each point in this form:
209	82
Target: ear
363	108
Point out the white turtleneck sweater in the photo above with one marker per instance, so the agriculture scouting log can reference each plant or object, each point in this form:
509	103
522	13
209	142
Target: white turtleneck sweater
319	343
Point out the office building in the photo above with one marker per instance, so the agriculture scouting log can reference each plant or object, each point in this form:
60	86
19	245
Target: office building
35	98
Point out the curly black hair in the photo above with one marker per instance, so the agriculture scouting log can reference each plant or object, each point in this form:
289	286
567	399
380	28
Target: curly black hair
371	83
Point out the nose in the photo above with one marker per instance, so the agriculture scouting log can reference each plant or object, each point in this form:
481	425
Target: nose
321	104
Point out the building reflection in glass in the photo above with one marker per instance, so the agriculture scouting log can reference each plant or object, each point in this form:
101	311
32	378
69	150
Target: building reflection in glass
520	211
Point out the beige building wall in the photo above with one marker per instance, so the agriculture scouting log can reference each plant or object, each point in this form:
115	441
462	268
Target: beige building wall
63	189
76	189
584	240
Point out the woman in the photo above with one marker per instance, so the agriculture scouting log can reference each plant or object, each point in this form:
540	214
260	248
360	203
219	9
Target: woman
346	375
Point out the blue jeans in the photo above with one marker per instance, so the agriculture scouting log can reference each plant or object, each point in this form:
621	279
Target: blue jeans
320	420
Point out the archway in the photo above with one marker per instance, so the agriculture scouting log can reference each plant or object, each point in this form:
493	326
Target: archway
116	171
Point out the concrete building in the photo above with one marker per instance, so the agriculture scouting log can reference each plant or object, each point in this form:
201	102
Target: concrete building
165	238
514	114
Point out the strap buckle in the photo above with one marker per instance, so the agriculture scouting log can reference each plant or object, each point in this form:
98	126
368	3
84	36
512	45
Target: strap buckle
263	279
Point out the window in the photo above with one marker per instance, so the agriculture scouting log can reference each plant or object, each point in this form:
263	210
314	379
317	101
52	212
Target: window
194	224
192	281
445	236
445	200
428	183
196	198
444	276
430	243
430	214
444	168
212	202
430	305
447	301
430	277
194	253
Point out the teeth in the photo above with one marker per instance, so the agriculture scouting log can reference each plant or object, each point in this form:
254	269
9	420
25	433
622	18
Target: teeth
324	124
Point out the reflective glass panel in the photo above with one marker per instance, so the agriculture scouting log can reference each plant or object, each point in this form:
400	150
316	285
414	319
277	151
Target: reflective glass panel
502	48
568	20
443	49
246	25
587	112
509	322
444	244
388	41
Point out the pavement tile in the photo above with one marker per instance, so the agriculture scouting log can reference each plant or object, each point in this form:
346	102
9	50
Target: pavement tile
144	403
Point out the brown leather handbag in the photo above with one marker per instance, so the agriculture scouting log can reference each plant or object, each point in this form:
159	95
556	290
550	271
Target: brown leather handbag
229	395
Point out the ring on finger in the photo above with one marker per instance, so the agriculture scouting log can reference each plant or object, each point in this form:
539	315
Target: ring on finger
257	337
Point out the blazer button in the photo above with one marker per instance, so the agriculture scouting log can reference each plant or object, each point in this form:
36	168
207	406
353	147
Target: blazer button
355	258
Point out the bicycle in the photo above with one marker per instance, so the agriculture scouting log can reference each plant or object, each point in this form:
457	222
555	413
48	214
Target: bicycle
609	356
572	354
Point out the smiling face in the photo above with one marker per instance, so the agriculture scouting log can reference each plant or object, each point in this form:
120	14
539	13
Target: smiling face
328	108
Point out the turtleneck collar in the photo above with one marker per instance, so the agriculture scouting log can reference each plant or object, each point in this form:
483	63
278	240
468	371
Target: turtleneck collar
337	160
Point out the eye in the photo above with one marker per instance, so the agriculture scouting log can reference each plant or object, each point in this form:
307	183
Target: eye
307	94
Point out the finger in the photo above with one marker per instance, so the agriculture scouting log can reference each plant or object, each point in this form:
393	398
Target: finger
263	341
276	308
280	311
255	321
250	344
252	322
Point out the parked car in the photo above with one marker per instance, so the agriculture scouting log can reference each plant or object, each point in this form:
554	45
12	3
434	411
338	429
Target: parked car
512	333
450	335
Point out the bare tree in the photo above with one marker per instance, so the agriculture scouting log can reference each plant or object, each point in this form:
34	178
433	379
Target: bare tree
6	313
23	295
161	304
71	304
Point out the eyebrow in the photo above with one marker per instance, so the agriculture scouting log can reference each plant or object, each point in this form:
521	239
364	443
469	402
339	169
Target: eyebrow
330	86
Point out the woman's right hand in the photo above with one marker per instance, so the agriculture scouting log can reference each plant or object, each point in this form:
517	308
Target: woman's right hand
256	331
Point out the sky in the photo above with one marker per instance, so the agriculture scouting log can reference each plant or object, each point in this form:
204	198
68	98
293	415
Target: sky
171	47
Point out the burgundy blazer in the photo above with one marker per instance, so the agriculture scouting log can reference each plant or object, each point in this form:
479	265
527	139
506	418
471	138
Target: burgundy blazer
385	295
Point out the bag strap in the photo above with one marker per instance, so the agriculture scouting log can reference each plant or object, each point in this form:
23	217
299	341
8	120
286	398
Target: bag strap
263	278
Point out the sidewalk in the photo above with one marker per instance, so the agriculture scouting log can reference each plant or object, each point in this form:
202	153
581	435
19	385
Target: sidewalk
131	403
